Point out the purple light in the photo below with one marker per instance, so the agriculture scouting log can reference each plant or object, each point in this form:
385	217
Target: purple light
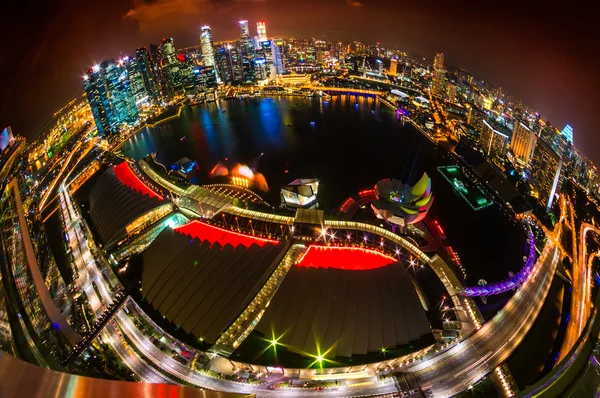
507	284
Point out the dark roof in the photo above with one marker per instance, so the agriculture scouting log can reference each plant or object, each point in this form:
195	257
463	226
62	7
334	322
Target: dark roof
113	206
355	312
203	287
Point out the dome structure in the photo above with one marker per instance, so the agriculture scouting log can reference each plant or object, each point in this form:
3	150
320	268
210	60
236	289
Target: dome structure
400	203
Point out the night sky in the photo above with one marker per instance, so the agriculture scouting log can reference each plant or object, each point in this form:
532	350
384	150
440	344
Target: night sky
542	53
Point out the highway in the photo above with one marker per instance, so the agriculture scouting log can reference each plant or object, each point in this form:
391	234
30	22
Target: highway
581	299
88	269
445	374
470	360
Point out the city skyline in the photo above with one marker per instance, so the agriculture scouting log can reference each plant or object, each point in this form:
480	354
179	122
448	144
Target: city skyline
544	78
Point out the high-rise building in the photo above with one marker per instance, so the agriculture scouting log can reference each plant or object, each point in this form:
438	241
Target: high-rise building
475	118
146	68
138	89
171	67
393	71
439	75
567	132
247	52
522	142
6	138
110	96
493	141
207	47
451	90
261	30
546	172
278	63
223	64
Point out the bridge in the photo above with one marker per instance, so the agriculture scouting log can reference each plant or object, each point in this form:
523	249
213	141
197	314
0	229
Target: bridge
346	90
97	327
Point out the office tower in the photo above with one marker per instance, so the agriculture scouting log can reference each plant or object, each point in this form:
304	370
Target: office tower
493	141
237	63
6	138
110	97
439	74
451	90
393	71
567	133
277	58
475	118
522	142
207	47
546	172
138	89
146	68
247	52
170	68
223	63
261	30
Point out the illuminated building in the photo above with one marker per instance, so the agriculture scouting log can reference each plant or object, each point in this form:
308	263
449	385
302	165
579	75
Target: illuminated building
223	64
247	53
146	68
567	132
439	75
136	80
300	192
546	172
400	203
277	58
451	92
170	68
493	141
110	97
207	47
522	142
6	137
393	67
261	30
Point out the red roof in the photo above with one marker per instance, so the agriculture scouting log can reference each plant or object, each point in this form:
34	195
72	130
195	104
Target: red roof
342	257
211	233
128	178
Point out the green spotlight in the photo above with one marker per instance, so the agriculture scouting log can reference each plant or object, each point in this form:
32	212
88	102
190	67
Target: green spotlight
273	342
320	358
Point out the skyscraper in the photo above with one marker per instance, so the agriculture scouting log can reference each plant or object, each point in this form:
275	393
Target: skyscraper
207	47
493	141
171	67
138	89
277	58
567	132
522	142
439	74
146	68
223	64
546	172
110	96
247	53
261	30
393	71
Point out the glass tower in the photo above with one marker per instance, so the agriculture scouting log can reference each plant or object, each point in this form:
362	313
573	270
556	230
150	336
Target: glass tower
110	96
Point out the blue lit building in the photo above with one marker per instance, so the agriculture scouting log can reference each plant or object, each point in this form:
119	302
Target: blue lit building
567	132
110	96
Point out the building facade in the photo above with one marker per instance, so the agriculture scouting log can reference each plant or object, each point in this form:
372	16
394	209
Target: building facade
546	172
492	141
110	96
522	142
